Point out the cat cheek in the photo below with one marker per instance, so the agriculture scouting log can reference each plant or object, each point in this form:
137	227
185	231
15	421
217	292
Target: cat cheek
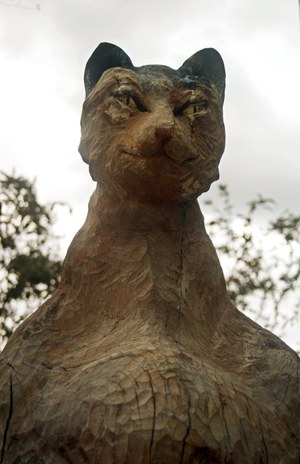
118	113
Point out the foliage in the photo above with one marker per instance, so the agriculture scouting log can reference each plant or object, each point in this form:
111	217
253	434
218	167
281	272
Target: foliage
260	255
29	266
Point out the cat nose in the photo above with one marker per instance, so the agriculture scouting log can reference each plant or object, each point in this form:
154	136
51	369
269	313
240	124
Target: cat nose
164	133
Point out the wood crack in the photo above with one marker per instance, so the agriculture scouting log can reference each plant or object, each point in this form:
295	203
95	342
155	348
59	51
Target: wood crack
154	414
10	411
136	394
223	404
179	279
265	447
187	432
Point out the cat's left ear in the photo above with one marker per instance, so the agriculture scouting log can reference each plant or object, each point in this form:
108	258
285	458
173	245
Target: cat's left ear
208	65
105	56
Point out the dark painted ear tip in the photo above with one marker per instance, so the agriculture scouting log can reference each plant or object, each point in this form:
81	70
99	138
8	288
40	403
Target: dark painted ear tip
211	51
104	57
213	54
103	49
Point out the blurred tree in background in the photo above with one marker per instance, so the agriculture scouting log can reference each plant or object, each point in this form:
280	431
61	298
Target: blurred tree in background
29	262
261	264
260	255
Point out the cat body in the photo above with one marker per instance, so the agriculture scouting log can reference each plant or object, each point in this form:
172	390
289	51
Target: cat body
139	356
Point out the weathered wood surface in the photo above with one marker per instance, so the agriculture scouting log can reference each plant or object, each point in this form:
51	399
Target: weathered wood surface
140	357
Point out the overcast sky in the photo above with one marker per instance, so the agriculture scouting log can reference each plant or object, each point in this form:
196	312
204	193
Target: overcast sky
46	43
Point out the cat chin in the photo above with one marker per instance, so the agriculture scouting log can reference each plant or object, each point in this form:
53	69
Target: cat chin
156	178
152	190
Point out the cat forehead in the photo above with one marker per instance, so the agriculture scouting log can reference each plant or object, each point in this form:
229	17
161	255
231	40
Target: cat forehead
152	78
157	70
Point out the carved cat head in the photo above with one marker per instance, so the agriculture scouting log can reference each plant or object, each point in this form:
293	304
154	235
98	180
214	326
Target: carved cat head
153	132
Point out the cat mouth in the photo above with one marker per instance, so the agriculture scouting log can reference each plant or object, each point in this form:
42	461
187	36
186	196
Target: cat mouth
183	160
164	154
139	155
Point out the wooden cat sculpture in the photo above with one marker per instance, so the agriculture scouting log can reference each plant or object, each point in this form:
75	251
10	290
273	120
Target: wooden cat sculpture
139	356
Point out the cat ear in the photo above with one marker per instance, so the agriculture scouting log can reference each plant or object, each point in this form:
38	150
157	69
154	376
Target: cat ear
105	56
207	64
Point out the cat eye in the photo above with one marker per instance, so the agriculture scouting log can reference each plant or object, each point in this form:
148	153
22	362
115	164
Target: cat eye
192	108
130	100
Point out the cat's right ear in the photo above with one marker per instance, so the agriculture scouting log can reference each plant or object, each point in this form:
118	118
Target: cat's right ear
207	65
105	56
